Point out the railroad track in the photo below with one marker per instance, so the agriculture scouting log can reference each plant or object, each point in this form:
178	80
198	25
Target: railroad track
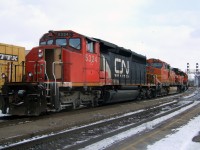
82	136
155	107
14	120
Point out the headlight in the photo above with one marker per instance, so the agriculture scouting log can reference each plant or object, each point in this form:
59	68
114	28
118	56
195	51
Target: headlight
3	75
40	53
30	74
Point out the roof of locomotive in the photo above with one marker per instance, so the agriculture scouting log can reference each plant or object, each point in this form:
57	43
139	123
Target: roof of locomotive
151	60
176	70
105	46
110	47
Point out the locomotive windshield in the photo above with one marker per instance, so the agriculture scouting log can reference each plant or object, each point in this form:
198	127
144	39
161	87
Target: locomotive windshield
61	42
157	65
49	42
72	42
43	43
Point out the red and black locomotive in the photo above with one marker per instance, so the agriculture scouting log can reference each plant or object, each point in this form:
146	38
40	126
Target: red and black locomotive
68	69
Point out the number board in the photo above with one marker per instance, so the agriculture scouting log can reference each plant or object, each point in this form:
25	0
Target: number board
64	34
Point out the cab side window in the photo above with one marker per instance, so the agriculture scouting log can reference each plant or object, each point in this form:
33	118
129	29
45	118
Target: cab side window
75	43
90	46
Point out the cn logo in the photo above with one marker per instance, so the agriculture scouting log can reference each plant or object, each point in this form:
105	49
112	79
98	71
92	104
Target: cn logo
122	66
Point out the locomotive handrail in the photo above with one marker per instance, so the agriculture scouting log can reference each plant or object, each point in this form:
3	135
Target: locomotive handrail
9	73
53	72
45	71
19	65
4	64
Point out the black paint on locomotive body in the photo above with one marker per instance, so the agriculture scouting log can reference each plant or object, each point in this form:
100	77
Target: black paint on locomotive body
127	67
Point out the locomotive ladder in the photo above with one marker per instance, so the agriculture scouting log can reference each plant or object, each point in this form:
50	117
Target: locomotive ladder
47	84
48	90
54	75
48	93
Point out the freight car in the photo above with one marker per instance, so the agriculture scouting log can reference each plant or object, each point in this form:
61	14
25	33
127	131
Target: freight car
10	56
68	69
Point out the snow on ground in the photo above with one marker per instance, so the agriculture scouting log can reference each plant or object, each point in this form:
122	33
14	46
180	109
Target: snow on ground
1	115
149	125
193	94
180	140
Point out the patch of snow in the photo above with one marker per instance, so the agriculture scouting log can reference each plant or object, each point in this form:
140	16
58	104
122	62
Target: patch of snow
182	139
1	115
149	125
193	94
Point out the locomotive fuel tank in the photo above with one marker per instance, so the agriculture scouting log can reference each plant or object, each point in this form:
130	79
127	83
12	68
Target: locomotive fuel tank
113	96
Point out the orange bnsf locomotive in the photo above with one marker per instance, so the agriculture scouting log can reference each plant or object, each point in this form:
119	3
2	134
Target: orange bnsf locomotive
68	69
166	77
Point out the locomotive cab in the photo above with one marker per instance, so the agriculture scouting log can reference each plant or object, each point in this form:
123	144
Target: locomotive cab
160	68
164	76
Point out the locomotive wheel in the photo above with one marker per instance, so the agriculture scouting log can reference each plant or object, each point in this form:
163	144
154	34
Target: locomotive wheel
4	105
76	103
154	93
4	109
142	94
149	94
95	102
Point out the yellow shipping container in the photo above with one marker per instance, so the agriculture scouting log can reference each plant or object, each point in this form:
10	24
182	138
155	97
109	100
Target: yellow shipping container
11	58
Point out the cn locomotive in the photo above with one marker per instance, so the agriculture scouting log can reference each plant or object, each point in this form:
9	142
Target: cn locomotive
69	69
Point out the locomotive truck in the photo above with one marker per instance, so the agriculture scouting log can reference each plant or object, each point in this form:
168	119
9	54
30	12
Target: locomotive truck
69	69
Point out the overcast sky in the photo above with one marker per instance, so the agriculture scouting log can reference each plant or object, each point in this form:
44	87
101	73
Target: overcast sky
168	30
